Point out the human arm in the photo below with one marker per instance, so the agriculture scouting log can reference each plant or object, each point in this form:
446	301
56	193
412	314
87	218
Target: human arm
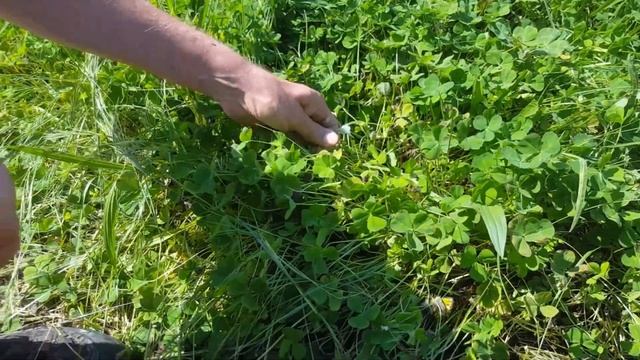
9	237
137	33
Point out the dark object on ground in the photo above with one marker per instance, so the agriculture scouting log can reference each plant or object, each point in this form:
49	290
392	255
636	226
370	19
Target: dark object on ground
60	343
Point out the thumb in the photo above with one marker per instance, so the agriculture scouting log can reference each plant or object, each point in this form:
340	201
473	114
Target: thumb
311	130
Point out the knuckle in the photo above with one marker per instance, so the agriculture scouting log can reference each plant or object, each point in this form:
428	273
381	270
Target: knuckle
315	96
234	112
305	92
314	93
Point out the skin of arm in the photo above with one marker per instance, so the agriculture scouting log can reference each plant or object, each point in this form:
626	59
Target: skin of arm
137	33
9	237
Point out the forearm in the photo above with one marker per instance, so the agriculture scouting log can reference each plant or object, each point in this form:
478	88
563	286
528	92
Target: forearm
136	33
9	233
9	240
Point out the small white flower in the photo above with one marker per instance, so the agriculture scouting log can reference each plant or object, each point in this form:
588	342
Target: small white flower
345	129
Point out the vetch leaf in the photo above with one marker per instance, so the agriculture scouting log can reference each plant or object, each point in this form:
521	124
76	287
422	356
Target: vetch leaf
496	224
556	47
485	161
246	134
468	257
458	76
355	303
349	42
323	167
495	123
359	322
533	230
493	56
527	35
480	122
478	273
631	216
430	86
372	312
362	320
547	35
422	224
473	142
634	330
490	294
402	222
460	235
563	261
550	144
631	261
521	246
415	243
549	311
318	295
433	141
615	114
375	223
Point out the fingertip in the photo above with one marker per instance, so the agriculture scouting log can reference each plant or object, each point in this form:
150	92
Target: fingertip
331	139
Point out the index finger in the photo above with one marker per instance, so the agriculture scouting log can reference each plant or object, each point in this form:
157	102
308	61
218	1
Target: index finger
311	130
316	108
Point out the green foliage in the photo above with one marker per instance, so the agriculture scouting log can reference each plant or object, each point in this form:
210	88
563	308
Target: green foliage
496	223
483	201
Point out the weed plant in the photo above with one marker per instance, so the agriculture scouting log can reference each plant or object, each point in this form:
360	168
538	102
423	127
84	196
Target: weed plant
483	203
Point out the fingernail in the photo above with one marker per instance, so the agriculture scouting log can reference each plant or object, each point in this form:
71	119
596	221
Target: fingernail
331	139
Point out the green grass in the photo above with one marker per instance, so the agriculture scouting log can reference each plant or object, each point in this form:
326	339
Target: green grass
147	214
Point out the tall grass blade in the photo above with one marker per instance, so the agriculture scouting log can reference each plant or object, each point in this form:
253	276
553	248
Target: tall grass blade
68	158
496	223
266	247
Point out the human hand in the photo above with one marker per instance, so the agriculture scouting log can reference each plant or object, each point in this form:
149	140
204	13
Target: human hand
256	96
137	33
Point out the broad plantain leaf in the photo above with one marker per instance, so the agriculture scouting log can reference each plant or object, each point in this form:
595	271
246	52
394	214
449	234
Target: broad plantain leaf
496	223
